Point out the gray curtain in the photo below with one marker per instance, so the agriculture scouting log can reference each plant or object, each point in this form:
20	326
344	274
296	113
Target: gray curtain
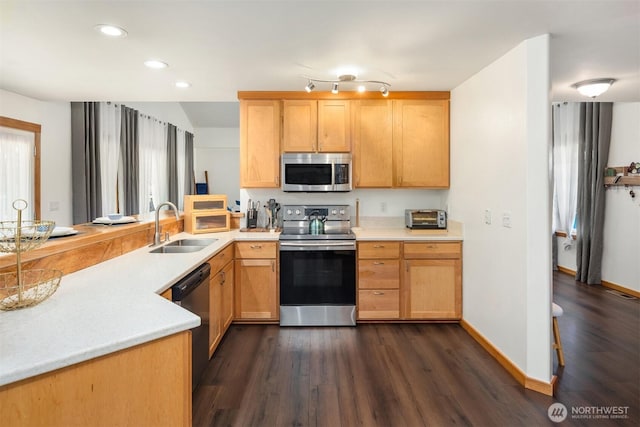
85	155
189	177
129	155
593	149
172	163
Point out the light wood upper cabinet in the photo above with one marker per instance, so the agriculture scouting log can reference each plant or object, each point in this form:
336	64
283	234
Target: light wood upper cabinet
316	126
372	143
334	126
259	143
300	126
421	143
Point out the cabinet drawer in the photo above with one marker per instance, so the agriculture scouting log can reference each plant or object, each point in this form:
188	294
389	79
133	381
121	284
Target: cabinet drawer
256	249
379	274
379	304
373	250
417	250
221	259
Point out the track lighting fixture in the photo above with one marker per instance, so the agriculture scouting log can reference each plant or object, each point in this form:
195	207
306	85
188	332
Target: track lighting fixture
310	86
348	79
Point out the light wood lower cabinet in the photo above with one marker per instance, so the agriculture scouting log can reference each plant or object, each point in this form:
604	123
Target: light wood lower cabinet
378	280
256	282
220	296
145	385
432	281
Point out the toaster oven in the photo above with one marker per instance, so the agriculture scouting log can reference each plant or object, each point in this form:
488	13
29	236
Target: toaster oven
425	219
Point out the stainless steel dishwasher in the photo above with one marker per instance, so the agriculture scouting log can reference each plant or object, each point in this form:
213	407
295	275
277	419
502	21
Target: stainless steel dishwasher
192	293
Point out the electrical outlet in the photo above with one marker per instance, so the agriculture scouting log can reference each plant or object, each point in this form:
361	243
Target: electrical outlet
506	219
383	207
487	216
54	206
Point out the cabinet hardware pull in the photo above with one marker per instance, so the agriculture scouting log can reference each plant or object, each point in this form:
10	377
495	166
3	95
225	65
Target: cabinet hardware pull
256	246
378	293
273	266
378	246
407	265
378	263
224	278
431	246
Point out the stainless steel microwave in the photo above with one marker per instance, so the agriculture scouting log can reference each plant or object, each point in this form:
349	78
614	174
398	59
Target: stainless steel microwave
316	172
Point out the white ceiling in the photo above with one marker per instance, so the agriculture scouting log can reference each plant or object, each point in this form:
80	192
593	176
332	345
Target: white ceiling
49	50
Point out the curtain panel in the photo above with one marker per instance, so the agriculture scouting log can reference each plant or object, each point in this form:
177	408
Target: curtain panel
130	169
85	153
172	164
189	176
594	140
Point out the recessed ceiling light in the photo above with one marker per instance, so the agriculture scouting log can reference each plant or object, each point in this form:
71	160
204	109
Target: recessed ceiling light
183	84
155	64
111	30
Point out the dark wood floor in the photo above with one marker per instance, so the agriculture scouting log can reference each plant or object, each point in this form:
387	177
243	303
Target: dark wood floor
422	374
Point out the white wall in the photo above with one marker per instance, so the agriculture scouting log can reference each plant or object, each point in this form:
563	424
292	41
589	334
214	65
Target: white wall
499	162
217	151
622	213
55	121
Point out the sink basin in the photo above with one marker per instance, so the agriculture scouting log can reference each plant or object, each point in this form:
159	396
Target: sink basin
176	249
191	242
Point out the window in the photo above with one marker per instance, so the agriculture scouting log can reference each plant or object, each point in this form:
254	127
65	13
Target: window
19	167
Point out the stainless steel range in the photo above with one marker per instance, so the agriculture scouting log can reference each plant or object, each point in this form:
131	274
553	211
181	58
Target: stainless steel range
317	266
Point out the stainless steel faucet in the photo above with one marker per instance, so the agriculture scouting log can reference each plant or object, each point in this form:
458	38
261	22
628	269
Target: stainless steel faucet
156	236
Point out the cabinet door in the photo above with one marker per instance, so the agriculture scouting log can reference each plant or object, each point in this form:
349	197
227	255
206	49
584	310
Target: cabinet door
433	289
334	126
215	327
300	126
256	289
226	311
259	144
421	143
372	143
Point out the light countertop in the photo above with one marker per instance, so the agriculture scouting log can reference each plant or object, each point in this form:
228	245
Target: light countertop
116	304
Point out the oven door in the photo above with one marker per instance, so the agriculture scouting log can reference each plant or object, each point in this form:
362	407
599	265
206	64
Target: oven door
317	283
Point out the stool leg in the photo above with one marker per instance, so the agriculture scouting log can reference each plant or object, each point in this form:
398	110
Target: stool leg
558	344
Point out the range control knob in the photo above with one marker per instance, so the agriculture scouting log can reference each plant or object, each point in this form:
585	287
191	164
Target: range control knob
289	212
341	211
297	211
334	212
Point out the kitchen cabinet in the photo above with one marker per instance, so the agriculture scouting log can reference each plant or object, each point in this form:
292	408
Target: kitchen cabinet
205	213
372	143
259	143
432	281
421	143
316	126
379	280
256	281
220	296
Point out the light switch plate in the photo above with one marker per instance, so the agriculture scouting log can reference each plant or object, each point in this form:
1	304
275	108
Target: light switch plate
506	219
487	216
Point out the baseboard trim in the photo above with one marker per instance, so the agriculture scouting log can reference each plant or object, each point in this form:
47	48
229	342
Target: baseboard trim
508	365
604	283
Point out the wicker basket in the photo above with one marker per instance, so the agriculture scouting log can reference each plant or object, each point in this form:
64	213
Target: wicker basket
22	236
27	288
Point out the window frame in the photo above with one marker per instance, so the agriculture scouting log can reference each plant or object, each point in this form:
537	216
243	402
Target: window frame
36	129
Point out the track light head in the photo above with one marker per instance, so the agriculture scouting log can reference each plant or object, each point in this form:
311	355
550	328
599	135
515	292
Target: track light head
310	86
384	90
334	88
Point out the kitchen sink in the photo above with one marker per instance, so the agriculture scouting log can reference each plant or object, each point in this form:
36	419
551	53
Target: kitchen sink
176	249
192	242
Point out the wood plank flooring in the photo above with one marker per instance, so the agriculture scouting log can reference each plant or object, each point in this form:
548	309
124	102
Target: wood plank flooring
418	374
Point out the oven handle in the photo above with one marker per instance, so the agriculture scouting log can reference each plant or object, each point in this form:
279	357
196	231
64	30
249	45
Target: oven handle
317	246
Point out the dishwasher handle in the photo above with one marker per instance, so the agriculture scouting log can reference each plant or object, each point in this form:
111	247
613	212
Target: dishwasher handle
190	282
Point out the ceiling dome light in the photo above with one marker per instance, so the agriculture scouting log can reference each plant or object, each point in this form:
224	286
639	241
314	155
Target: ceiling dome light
595	87
155	64
182	84
111	30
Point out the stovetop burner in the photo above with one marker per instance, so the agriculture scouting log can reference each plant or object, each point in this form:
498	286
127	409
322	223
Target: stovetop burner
337	222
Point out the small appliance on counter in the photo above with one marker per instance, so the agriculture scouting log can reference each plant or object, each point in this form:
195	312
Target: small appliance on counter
425	219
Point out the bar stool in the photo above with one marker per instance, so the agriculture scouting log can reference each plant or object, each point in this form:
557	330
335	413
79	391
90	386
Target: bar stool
557	311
